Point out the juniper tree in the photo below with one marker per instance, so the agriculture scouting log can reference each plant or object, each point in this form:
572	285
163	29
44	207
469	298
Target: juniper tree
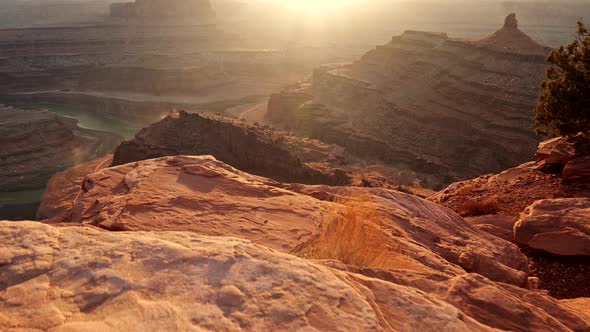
564	105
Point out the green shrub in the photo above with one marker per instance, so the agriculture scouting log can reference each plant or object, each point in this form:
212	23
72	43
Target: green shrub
564	104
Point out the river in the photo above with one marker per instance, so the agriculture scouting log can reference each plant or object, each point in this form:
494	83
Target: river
23	204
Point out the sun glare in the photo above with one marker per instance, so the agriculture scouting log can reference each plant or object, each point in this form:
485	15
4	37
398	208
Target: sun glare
319	7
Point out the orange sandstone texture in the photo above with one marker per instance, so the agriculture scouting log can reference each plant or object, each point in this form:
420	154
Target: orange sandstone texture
206	196
202	246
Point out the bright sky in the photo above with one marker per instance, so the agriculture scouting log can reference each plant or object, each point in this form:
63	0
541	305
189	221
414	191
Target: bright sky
317	7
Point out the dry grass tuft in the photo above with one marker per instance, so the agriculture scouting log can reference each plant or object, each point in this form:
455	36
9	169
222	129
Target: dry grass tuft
358	237
474	208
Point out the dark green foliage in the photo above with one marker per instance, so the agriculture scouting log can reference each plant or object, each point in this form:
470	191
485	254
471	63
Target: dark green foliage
564	105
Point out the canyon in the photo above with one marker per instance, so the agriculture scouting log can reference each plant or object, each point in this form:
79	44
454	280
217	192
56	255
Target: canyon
447	109
35	146
158	11
118	77
200	173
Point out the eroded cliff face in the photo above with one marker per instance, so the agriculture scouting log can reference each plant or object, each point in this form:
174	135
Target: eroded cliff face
37	144
390	261
247	147
447	109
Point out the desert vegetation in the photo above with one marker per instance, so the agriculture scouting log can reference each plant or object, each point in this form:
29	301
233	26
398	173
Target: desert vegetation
356	236
474	208
564	105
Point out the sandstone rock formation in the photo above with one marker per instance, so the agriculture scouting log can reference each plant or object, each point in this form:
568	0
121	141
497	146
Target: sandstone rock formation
557	226
517	188
512	39
369	259
569	156
34	145
63	188
203	195
184	281
249	148
501	226
446	109
540	194
80	279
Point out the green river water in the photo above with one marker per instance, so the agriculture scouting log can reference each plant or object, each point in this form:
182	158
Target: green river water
10	202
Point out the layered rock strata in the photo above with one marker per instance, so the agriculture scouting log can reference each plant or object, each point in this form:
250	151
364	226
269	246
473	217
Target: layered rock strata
447	109
34	145
247	147
160	10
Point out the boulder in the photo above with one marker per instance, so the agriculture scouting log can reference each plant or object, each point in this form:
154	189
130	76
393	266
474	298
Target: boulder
375	228
568	156
501	221
557	226
495	224
513	190
577	170
561	170
556	151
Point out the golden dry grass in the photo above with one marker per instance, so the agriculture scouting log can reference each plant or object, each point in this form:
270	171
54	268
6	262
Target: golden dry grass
474	208
357	236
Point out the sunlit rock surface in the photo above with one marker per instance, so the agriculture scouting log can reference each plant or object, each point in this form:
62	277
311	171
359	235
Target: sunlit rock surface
558	226
203	195
540	207
516	188
80	279
63	188
201	245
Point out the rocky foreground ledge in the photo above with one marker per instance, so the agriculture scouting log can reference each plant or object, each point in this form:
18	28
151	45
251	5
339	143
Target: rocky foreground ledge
190	243
543	206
